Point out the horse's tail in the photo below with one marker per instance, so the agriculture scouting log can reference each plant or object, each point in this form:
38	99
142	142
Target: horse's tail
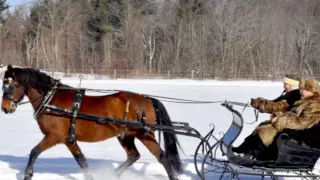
171	143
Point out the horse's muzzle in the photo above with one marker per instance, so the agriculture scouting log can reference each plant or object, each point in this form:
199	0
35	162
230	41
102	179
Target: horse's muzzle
4	110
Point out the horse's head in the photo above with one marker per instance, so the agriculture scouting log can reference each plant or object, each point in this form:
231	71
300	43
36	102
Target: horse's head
13	92
18	82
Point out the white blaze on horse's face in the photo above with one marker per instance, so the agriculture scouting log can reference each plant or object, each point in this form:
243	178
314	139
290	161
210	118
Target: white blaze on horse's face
11	92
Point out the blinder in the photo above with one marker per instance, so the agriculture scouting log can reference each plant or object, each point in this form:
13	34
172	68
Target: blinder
7	88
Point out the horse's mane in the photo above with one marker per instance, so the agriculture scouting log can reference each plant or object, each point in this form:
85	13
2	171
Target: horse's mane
33	78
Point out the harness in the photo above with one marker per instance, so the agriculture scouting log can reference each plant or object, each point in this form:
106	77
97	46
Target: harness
77	100
141	118
45	101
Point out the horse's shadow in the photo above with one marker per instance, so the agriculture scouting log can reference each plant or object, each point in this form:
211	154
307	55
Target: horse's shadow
65	167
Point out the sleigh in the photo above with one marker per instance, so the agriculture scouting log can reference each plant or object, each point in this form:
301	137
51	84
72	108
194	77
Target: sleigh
294	159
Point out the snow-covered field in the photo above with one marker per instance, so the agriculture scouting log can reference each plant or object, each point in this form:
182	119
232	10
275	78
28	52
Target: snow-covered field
20	133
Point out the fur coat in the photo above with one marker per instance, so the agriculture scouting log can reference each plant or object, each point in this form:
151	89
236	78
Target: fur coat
305	114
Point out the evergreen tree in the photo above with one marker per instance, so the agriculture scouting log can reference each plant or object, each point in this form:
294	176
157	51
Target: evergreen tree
105	16
3	6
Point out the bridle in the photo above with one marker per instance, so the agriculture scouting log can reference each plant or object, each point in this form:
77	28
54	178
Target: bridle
8	88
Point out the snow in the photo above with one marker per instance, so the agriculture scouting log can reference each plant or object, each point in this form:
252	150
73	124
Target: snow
20	133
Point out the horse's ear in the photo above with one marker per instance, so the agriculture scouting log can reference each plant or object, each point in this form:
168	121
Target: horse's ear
10	71
9	68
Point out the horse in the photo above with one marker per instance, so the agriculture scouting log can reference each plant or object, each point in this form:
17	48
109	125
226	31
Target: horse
21	82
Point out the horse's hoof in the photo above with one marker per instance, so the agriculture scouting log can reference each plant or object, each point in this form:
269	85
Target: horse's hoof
28	173
89	177
27	177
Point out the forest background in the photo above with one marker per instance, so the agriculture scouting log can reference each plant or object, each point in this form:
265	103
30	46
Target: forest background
204	39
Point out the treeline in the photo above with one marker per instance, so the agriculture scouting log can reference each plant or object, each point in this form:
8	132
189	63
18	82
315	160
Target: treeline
225	38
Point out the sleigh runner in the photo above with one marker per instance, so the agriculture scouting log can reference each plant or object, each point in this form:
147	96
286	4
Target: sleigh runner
59	104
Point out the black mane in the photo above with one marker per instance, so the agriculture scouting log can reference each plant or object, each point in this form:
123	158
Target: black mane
33	78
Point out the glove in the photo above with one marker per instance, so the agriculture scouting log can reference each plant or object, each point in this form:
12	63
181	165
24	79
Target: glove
273	116
255	103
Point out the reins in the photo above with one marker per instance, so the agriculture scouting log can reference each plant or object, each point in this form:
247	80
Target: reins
178	100
26	102
162	98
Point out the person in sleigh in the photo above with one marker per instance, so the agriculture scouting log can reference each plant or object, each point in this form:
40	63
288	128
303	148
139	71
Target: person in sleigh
303	114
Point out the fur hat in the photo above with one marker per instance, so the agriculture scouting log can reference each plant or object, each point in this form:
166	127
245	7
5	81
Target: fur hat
310	84
292	80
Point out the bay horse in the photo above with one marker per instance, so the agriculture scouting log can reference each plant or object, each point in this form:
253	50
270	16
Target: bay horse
20	82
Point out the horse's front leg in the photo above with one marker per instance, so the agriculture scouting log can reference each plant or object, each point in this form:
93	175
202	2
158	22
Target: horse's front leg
46	143
80	158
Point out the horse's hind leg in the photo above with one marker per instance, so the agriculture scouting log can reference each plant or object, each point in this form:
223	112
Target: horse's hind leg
150	142
132	153
80	158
